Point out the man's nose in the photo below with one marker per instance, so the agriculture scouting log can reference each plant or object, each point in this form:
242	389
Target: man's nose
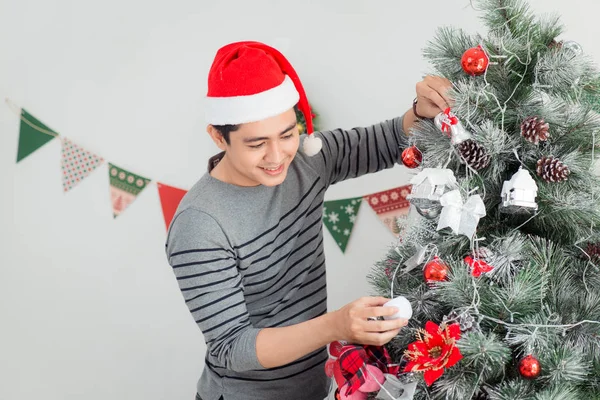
274	154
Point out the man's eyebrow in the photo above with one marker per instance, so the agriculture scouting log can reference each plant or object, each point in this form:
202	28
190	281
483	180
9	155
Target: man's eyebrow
259	139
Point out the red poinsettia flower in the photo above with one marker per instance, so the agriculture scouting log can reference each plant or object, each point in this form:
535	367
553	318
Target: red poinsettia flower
478	267
434	350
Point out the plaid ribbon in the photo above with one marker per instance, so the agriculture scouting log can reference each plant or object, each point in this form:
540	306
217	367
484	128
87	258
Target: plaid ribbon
352	360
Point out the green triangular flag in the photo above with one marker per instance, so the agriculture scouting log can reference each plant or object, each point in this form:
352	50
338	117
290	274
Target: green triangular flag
339	217
30	138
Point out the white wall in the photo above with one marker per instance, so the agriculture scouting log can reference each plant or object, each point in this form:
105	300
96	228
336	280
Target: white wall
89	308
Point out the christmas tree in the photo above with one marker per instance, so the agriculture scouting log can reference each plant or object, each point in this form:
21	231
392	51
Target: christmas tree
501	256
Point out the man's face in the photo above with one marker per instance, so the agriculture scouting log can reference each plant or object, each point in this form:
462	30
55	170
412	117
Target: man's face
260	153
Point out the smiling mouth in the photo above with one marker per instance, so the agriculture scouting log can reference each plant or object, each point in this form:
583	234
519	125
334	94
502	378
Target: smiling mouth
273	171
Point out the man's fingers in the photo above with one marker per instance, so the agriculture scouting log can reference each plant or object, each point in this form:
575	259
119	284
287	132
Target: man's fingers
433	91
374	301
384	326
381	338
381	311
436	99
442	86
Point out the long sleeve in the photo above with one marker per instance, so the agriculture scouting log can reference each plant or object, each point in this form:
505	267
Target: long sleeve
205	266
351	153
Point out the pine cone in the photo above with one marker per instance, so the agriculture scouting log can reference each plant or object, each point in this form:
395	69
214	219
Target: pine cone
552	169
466	321
535	130
555	44
593	250
474	154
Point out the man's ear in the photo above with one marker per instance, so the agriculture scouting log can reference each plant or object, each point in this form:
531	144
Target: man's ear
217	137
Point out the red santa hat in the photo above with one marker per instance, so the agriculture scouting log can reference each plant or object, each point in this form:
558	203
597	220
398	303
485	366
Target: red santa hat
250	81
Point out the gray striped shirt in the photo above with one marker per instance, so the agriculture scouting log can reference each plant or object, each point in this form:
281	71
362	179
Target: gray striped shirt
248	258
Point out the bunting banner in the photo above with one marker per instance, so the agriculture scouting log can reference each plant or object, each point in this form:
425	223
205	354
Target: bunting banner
125	186
32	135
339	217
170	197
77	164
391	206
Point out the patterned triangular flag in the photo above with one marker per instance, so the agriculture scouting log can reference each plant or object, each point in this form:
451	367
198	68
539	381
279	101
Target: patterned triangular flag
124	187
339	217
170	197
77	163
32	135
391	206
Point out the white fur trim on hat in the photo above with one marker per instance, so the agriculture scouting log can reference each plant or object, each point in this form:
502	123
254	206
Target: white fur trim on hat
242	109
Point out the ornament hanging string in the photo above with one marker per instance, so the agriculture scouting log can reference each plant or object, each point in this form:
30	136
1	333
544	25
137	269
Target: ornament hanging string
432	253
477	300
502	108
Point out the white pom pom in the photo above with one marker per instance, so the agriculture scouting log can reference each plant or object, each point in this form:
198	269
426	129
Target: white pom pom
312	145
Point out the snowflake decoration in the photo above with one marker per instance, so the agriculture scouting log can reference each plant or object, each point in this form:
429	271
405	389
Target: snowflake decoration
334	217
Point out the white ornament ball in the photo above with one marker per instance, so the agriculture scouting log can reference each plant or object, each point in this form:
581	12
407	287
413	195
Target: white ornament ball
404	308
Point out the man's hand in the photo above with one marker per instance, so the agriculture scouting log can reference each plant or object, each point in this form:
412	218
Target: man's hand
432	96
432	99
356	322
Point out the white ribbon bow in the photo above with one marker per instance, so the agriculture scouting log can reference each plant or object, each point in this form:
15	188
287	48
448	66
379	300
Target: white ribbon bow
461	218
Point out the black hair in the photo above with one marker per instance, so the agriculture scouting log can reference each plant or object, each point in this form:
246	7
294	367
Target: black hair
225	130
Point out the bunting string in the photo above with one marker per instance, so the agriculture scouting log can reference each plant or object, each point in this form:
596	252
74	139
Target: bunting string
18	111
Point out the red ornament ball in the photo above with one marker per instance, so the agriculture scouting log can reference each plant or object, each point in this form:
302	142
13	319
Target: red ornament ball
436	270
529	367
412	157
474	61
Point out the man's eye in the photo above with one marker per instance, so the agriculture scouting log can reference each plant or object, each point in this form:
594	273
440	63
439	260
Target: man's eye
258	146
287	136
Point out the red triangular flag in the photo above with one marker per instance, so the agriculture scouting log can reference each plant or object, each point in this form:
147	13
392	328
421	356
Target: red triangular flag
169	198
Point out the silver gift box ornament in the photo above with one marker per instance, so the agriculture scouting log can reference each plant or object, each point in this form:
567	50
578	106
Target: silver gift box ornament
428	186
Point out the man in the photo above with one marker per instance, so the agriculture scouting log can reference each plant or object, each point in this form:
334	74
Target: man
246	243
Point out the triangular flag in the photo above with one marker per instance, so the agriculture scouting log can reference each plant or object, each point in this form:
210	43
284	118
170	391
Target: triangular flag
124	187
77	163
170	197
339	217
32	135
391	206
